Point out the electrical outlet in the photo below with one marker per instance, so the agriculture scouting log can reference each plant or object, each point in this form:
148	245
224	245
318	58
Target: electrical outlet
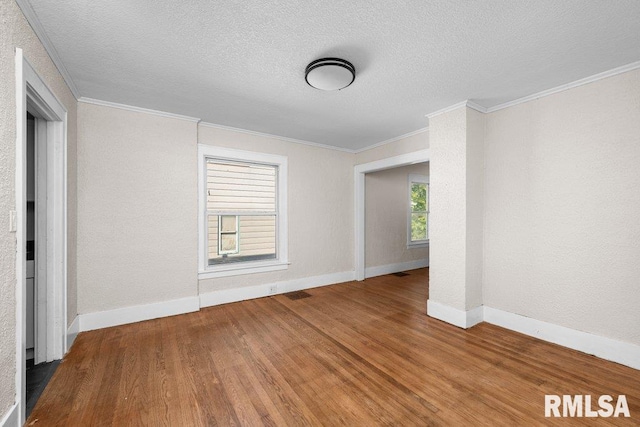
273	289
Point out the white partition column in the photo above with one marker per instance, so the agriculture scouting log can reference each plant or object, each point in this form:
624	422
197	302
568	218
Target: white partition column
456	215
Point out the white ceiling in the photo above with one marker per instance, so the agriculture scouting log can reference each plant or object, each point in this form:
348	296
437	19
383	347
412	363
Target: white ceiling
241	63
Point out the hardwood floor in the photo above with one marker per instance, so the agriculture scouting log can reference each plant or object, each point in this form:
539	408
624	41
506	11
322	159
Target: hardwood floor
359	353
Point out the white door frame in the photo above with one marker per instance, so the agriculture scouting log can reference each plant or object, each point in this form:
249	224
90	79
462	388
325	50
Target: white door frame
33	93
40	294
419	156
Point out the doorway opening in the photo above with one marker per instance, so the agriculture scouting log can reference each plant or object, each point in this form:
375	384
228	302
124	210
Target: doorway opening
39	370
360	171
41	230
396	220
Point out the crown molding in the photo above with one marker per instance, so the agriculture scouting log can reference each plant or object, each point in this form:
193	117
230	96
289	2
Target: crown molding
38	29
102	103
137	109
581	82
477	107
282	138
446	109
394	139
590	79
467	103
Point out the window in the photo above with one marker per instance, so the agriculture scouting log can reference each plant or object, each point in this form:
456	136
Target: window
227	226
242	212
418	221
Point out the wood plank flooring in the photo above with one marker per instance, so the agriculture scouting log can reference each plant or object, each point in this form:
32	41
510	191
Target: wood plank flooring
357	354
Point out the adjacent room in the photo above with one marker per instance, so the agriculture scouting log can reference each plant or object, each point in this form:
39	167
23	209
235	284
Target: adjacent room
303	213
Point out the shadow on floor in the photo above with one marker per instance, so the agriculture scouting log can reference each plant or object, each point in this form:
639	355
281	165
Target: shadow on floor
38	377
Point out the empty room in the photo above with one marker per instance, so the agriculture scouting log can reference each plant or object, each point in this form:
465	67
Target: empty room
319	213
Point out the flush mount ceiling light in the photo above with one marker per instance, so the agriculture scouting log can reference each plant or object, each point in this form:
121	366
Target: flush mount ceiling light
330	74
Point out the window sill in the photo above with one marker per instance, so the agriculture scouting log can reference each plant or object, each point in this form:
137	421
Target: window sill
236	270
415	245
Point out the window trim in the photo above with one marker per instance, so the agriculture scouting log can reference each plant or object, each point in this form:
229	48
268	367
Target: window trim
206	271
421	179
220	233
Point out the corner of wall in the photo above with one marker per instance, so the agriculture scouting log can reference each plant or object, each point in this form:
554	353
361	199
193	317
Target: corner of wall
475	130
72	332
460	318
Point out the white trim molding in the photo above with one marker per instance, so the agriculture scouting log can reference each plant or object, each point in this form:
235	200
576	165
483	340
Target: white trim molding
605	348
38	29
11	418
225	296
381	270
392	140
20	230
474	316
122	316
32	94
420	179
538	95
240	268
359	172
412	158
571	85
272	136
52	141
137	109
206	271
475	106
460	318
422	244
72	332
137	313
466	103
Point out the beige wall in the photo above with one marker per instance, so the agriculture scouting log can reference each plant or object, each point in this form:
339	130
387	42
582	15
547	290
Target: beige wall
447	229
387	207
151	215
320	211
562	203
457	145
406	145
16	33
474	208
137	208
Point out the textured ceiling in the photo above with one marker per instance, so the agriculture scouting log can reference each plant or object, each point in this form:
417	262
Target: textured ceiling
241	63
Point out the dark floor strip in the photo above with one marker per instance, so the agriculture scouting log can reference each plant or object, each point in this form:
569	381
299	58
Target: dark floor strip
38	377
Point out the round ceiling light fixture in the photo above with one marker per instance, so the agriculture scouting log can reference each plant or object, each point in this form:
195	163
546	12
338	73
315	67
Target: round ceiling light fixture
330	74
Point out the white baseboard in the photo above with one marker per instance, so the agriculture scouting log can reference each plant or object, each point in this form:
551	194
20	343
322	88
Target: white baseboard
121	316
138	313
475	316
381	270
72	332
460	318
605	348
225	296
12	417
